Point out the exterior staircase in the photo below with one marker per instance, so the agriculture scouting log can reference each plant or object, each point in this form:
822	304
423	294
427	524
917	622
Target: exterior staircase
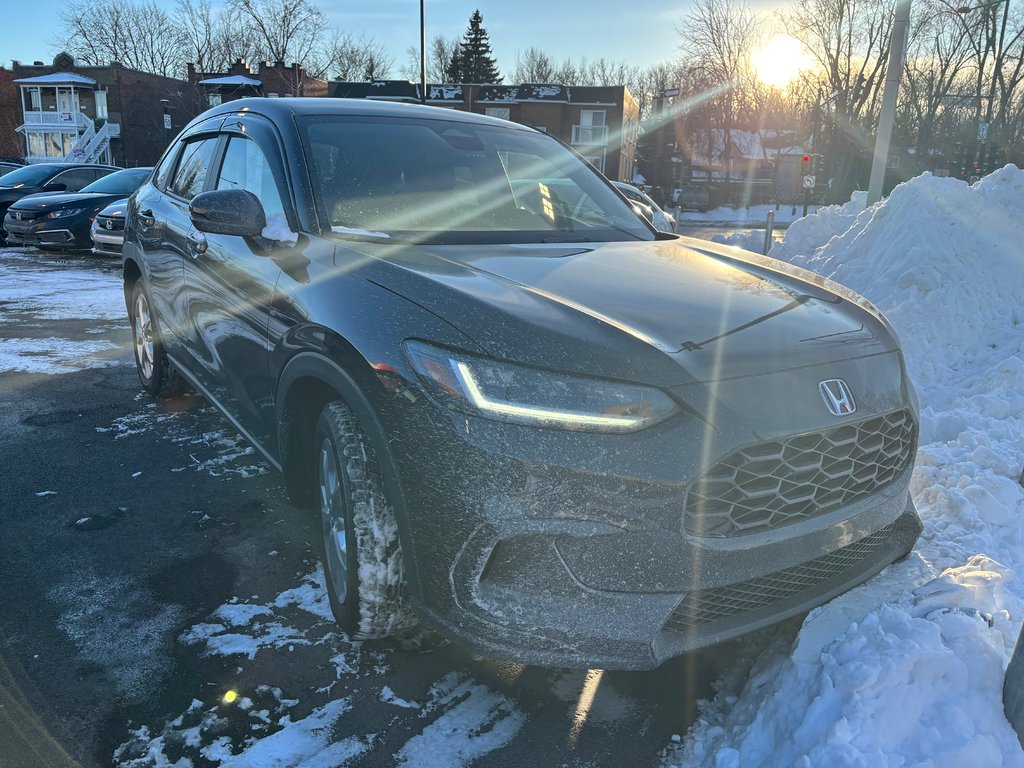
93	143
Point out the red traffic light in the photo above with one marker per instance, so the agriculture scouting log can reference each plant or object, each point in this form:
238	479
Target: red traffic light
807	158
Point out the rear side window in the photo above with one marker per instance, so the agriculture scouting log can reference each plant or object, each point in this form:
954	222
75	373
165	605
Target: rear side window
75	179
193	168
246	167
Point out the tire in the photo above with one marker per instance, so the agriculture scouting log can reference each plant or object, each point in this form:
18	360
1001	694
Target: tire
362	555
156	374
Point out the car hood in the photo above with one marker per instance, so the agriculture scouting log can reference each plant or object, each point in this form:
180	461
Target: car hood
116	209
714	312
48	201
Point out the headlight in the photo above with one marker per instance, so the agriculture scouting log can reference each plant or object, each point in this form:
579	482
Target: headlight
522	395
64	212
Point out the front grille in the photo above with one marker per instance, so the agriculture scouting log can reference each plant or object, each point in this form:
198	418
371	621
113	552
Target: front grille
770	485
25	215
116	223
710	605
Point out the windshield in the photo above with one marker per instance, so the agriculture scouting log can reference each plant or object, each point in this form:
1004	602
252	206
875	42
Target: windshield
120	182
456	182
29	176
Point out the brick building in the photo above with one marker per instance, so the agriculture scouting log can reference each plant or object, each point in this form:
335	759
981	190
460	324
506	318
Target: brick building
240	81
599	122
97	113
11	145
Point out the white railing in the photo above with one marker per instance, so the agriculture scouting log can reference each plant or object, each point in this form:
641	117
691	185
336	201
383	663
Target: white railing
590	134
57	119
78	152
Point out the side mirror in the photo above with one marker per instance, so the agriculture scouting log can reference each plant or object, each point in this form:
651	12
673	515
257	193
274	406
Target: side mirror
55	186
643	211
228	212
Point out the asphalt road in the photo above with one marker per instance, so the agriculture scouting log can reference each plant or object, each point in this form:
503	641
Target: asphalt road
153	569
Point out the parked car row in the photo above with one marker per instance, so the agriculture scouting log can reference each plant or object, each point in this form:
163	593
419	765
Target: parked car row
62	205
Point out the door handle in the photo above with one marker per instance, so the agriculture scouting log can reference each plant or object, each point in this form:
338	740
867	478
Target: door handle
147	218
197	243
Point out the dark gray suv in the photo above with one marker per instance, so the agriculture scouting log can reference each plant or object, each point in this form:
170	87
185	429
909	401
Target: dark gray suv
523	416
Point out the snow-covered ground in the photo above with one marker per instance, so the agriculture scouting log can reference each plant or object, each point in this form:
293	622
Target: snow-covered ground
754	215
907	670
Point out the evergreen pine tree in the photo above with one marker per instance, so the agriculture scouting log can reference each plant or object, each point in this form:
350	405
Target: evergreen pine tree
473	61
453	72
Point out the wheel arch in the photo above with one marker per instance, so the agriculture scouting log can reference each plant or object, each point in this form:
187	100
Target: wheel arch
131	274
309	381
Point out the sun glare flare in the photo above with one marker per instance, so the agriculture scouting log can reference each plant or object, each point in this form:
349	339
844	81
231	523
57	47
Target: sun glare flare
780	61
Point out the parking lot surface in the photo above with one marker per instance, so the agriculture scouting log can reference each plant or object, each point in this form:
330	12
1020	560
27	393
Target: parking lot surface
163	601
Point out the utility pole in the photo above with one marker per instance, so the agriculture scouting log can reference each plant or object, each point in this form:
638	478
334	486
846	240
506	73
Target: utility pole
423	56
897	49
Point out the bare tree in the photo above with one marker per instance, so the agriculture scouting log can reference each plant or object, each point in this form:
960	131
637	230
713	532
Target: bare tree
346	57
141	35
439	58
283	30
534	66
212	40
716	39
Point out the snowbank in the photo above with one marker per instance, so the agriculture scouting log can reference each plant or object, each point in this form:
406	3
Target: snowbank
907	670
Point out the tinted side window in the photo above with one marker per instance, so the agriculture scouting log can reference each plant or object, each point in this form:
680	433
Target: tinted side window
163	173
75	179
246	167
192	170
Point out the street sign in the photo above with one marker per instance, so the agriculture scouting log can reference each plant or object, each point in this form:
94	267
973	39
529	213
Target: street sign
982	131
167	122
808	182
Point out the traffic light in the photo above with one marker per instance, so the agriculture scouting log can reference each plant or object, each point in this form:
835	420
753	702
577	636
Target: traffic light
806	165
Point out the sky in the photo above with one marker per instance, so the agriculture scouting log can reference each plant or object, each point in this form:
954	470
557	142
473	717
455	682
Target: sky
641	32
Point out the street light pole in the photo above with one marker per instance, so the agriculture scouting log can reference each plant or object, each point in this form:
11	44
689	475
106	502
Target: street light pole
897	49
423	56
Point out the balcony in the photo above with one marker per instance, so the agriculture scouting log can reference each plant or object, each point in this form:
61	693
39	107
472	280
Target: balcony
54	119
583	135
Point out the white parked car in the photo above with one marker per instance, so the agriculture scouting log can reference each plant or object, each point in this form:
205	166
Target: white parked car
662	221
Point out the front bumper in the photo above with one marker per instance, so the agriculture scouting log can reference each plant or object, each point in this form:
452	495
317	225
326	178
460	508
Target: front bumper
106	242
40	232
571	550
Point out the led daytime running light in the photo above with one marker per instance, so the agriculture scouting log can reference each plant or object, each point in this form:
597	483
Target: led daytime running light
576	418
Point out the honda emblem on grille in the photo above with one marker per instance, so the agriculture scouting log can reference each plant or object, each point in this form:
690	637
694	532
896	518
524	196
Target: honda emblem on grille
17	215
109	224
837	396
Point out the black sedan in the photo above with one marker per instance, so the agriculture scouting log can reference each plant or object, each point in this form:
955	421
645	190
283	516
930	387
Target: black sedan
522	415
56	220
47	177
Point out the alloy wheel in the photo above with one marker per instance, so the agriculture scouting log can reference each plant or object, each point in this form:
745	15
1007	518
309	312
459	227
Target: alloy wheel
332	513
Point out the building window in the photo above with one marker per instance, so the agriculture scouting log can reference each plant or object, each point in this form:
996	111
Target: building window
504	113
101	105
214	99
35	100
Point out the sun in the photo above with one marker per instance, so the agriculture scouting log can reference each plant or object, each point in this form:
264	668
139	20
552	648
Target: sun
780	61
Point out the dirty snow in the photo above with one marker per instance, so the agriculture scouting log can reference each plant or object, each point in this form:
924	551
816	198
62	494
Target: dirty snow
461	719
219	452
908	668
36	290
54	354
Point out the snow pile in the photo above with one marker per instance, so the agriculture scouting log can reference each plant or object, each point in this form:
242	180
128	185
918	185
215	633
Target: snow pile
748	241
908	668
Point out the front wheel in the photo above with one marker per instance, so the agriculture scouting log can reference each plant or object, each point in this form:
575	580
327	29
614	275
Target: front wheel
362	555
156	374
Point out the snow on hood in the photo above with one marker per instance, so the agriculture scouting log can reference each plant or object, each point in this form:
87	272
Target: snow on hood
908	668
